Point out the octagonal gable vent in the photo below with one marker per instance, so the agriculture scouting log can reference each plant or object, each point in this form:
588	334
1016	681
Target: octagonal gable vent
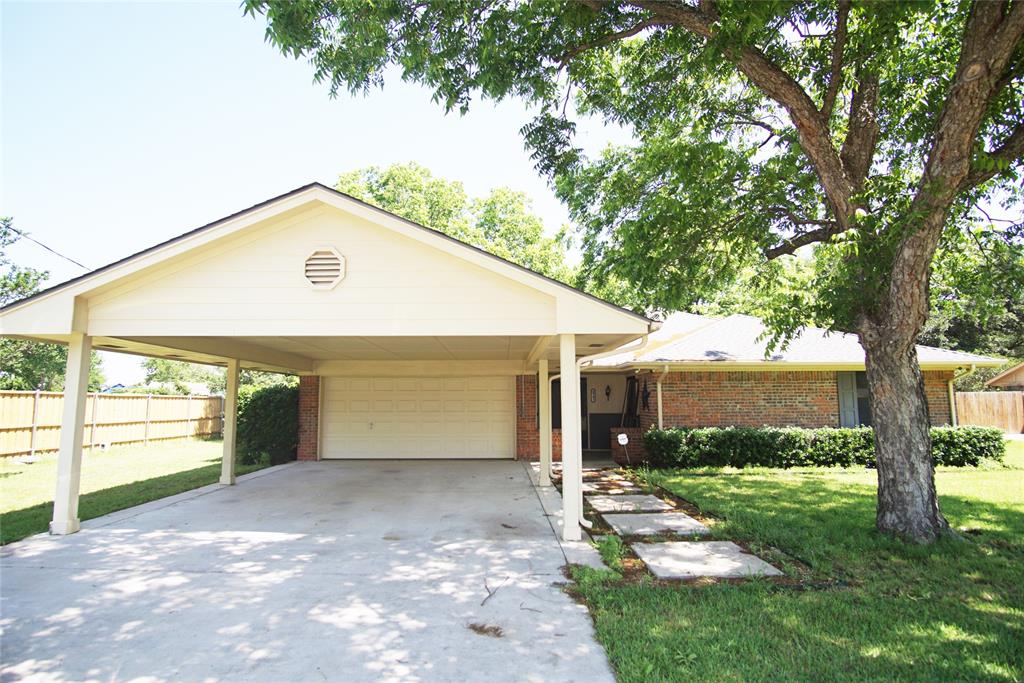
325	268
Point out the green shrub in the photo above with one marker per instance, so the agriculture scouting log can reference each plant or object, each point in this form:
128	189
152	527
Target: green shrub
786	447
268	423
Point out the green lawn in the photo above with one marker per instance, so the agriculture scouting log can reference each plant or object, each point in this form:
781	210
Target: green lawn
868	608
113	480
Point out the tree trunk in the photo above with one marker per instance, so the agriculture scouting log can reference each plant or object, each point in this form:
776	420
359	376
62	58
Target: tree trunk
907	504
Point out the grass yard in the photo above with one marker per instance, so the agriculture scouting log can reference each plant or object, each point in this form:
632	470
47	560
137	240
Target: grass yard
870	608
113	480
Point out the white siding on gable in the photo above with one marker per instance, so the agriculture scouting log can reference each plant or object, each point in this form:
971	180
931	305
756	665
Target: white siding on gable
255	285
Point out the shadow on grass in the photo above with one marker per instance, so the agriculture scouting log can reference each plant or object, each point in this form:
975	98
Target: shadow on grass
953	610
17	524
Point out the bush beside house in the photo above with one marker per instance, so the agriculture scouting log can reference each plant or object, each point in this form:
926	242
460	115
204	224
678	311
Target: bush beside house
796	447
268	423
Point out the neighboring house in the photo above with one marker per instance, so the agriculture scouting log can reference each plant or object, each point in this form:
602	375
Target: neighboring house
408	343
1009	380
702	371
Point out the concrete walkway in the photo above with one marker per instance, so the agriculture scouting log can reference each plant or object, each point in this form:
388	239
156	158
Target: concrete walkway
337	571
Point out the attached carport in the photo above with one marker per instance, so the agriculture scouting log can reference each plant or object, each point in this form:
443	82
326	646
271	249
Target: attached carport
409	342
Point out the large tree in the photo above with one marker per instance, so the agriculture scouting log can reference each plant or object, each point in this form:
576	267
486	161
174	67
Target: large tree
869	129
502	222
27	365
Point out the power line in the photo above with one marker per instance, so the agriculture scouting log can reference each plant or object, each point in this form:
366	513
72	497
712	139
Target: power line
53	251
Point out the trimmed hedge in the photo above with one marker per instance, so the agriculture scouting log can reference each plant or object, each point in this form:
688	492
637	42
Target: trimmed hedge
786	447
268	423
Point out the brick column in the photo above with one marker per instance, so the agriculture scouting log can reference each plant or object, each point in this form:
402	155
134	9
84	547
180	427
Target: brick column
527	429
309	417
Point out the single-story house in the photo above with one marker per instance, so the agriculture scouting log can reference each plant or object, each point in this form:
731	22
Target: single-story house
704	371
408	343
1011	379
411	344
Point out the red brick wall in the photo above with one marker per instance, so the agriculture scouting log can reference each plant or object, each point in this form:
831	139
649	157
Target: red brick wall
527	422
637	452
936	391
744	399
755	399
309	417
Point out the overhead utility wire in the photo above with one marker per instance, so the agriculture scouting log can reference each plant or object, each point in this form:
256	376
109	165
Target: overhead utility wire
53	251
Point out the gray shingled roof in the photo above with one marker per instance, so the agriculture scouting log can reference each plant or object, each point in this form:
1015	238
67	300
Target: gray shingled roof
690	338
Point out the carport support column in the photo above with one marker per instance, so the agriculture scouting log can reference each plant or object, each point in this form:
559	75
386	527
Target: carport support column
572	467
69	458
544	410
227	464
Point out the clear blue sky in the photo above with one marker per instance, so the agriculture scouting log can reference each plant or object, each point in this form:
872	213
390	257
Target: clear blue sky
126	124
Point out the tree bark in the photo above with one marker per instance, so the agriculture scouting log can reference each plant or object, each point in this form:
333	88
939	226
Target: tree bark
907	504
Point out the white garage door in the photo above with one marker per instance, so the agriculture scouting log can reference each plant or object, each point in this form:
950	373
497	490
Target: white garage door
418	417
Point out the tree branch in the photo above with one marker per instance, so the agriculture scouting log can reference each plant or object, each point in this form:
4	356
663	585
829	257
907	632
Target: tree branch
608	39
790	245
991	36
1011	150
836	72
862	135
812	129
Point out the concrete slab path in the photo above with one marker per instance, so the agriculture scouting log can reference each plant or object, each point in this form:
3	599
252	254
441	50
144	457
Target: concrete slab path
694	559
336	571
627	503
653	523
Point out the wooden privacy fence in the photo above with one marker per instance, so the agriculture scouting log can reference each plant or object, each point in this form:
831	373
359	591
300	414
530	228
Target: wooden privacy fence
1002	409
30	420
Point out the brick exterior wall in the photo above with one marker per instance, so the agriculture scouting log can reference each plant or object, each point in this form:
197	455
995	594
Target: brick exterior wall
743	399
528	422
936	391
309	417
691	399
755	399
637	453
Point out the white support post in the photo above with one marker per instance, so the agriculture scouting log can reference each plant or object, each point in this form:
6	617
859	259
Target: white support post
227	465
572	474
544	409
72	428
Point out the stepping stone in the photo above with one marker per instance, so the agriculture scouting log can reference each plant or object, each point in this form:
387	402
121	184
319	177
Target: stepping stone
601	486
695	559
627	503
653	523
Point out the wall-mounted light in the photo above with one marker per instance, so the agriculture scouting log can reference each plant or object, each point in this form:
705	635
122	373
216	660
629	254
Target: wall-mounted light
608	392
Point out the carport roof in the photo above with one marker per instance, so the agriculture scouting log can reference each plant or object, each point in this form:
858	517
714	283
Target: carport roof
85	277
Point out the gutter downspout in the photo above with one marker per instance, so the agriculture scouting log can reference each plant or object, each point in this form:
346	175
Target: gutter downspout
952	392
588	360
661	420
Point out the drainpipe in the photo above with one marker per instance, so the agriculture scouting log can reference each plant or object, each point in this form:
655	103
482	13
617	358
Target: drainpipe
952	392
588	360
661	420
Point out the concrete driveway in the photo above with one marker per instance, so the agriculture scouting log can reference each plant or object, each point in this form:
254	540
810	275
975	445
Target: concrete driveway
336	571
